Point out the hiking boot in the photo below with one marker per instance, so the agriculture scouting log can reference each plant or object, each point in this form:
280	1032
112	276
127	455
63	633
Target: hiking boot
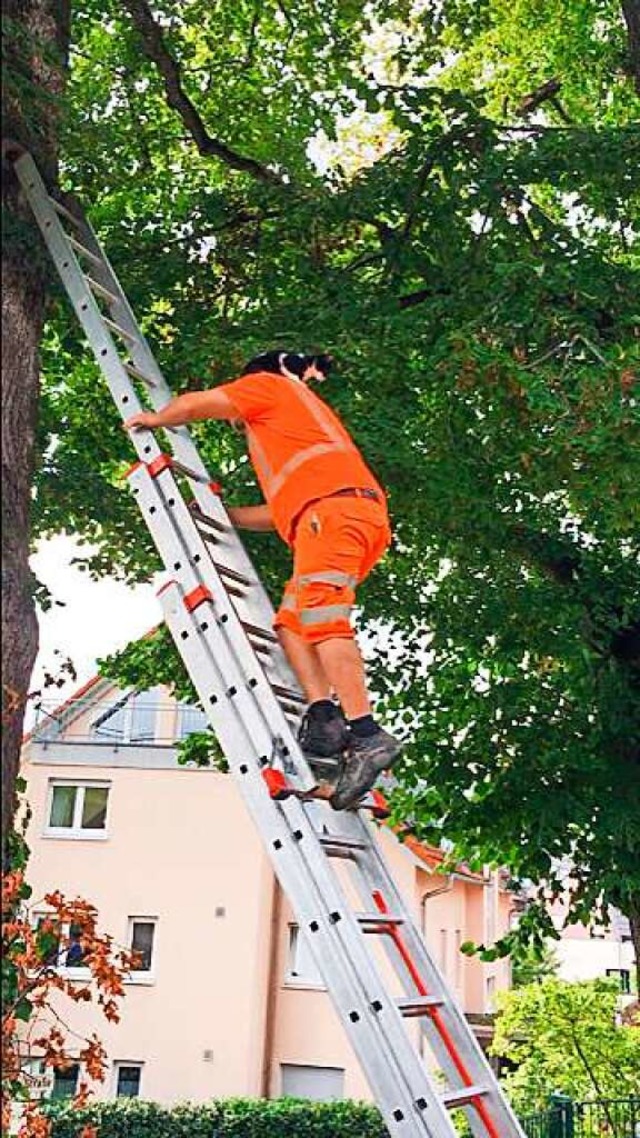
323	736
365	760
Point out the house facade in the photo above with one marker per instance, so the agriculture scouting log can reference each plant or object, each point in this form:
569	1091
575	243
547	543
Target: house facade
227	999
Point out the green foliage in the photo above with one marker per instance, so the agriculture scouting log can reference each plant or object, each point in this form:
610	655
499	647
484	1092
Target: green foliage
478	285
279	1118
565	1037
529	966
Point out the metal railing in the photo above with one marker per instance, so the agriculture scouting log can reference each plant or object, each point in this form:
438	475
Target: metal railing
127	719
601	1118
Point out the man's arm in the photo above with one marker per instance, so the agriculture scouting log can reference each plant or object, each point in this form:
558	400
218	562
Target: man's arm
187	408
252	517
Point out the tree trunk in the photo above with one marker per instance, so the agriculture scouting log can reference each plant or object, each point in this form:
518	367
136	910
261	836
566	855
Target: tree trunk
631	12
36	46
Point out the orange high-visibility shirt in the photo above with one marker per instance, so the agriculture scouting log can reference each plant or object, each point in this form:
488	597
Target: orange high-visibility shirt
299	449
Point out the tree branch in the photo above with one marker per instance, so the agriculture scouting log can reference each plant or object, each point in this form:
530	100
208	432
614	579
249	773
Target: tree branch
156	50
532	101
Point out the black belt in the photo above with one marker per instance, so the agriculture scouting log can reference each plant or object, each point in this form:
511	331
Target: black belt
355	492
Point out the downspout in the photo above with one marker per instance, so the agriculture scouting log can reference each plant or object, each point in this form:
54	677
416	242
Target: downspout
446	888
272	989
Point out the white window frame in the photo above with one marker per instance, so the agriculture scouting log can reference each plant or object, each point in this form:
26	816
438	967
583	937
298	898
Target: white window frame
75	832
490	989
295	946
142	977
117	1064
70	972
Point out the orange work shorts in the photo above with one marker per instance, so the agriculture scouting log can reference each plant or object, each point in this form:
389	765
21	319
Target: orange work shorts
336	545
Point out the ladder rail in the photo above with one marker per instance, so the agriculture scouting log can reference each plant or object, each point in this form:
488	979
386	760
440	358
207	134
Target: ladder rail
113	367
376	878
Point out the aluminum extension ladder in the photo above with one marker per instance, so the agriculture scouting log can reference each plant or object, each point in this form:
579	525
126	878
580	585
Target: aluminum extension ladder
365	943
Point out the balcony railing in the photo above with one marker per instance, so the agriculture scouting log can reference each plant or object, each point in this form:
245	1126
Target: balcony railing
127	720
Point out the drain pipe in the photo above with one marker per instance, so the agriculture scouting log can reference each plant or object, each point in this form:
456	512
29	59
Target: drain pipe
446	888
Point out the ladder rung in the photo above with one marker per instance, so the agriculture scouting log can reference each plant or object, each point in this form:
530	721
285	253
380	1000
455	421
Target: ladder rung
261	633
418	1005
95	286
463	1097
373	922
189	472
258	647
64	212
82	249
338	846
111	324
134	371
233	575
288	694
205	520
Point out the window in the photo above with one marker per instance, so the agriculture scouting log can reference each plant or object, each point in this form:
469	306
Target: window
61	943
190	719
491	991
301	967
458	958
321	1084
49	938
623	976
131	719
128	1077
65	1082
78	810
141	939
74	956
444	951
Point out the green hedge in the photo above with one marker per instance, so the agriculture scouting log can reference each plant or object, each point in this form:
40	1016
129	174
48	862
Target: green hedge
232	1118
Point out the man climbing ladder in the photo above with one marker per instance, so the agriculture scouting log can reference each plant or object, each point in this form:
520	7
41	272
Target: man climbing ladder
327	506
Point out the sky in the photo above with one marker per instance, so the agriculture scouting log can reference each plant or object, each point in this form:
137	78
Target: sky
97	617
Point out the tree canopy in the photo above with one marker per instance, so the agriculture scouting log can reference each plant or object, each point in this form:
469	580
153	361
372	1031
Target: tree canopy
475	274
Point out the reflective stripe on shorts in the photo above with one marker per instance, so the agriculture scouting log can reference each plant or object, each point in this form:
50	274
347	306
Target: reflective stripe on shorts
325	614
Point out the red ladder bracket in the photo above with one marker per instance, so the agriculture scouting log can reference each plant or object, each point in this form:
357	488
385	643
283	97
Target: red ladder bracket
157	465
276	784
380	805
196	597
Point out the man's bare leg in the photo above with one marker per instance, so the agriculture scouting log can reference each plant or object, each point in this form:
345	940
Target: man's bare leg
306	664
342	663
334	665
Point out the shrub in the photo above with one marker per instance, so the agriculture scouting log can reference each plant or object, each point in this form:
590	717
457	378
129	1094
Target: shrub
231	1118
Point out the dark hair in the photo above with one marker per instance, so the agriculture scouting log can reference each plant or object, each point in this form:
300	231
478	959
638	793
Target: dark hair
296	362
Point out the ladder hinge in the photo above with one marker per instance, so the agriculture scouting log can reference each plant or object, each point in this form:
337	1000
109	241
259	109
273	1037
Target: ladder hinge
196	597
380	805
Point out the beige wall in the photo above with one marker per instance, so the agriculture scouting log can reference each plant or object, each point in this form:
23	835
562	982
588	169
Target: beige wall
179	847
